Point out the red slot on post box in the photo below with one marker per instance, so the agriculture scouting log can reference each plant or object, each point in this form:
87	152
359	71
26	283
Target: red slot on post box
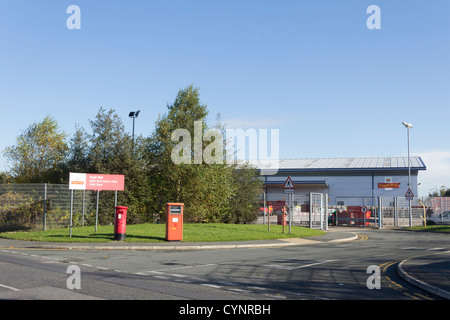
174	222
120	223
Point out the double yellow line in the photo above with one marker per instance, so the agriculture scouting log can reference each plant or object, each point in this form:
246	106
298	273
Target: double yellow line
362	237
387	265
416	296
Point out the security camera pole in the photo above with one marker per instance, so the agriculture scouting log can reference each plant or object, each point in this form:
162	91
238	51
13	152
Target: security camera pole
408	126
133	115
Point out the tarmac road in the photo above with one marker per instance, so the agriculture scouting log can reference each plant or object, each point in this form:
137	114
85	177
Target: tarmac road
330	267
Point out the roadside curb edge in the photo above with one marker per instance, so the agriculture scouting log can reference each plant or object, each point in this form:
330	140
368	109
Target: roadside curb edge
421	284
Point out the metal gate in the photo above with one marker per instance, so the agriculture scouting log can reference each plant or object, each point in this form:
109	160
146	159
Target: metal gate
308	209
318	211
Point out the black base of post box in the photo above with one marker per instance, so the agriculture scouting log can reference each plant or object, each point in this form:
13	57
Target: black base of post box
119	236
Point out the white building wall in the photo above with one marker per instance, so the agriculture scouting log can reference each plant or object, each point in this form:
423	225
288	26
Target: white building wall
353	185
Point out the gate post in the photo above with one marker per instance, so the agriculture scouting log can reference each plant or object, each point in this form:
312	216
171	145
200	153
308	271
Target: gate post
380	212
310	210
395	211
326	212
321	211
264	204
45	208
291	211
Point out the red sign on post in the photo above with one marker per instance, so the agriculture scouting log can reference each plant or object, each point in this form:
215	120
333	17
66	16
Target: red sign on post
105	182
97	182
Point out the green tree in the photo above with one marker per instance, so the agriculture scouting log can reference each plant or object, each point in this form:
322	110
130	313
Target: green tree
208	189
39	153
5	177
110	146
205	189
78	154
247	198
108	150
443	191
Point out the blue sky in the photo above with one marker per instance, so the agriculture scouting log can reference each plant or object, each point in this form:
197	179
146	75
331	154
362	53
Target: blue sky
312	69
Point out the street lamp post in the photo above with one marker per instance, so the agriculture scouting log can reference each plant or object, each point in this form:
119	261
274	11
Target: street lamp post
134	115
408	126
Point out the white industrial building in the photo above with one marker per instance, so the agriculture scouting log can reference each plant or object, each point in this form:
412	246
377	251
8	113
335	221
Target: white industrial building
346	181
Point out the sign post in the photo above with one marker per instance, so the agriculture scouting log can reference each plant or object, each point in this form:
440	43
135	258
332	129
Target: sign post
96	211
71	213
409	195
95	182
289	188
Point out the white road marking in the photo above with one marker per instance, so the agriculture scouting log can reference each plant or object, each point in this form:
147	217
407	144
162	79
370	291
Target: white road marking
211	285
240	290
286	267
8	287
177	275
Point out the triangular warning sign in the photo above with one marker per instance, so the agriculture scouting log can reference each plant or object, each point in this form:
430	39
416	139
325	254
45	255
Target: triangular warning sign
288	184
409	193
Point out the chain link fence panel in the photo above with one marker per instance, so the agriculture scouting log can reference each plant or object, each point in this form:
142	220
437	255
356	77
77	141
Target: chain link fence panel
47	206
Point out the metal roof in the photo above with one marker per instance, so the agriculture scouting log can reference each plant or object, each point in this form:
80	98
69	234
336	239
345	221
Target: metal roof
351	164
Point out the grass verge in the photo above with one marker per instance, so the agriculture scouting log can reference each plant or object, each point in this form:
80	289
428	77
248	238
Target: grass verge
154	233
432	228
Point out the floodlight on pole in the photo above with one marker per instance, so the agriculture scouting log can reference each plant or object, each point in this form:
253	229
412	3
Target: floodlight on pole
134	115
408	126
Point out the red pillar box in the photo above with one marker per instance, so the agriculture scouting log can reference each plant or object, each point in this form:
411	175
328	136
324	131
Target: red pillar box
120	223
174	222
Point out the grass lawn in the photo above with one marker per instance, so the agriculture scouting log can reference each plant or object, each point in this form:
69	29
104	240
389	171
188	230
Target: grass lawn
153	233
433	228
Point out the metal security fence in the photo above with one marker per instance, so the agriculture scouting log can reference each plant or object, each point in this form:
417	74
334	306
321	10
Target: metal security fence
47	206
309	210
434	207
437	205
20	205
356	201
312	210
400	212
382	212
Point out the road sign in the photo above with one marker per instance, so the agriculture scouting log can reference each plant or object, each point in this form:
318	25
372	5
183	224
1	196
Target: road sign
77	181
409	193
100	182
289	184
